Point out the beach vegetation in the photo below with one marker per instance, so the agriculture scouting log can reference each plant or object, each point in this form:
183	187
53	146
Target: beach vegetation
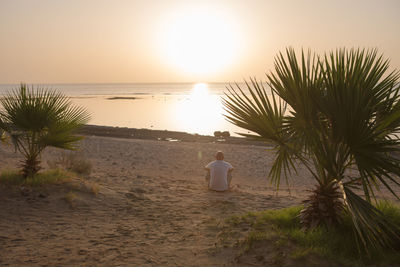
68	179
74	161
36	118
85	186
280	232
338	115
92	187
70	198
53	176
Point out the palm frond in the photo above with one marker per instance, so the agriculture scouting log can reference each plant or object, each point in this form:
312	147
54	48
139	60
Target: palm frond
372	229
362	105
262	114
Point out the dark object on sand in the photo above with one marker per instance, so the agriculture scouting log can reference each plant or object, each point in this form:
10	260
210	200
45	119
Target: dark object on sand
224	134
217	134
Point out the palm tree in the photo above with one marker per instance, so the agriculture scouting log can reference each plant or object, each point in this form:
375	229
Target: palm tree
37	118
339	116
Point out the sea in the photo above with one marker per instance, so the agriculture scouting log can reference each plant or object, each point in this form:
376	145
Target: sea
188	107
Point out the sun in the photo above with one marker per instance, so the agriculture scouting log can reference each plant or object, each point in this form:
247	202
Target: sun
199	91
201	112
199	40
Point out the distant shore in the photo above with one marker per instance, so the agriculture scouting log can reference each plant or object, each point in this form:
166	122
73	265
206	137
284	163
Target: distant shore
134	133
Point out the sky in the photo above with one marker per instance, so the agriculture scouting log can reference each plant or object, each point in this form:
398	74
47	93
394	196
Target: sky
116	41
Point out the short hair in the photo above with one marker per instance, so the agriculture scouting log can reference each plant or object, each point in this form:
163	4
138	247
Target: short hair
219	155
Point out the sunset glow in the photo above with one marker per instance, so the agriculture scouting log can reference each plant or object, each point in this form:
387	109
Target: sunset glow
170	41
198	40
201	112
158	132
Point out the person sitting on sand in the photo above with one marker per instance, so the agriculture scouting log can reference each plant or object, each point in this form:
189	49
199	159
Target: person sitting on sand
219	173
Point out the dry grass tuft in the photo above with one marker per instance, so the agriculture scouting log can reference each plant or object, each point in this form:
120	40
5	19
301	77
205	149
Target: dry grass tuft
54	176
74	161
70	198
88	187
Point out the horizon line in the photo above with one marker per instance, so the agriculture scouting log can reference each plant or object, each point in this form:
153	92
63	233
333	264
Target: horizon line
87	83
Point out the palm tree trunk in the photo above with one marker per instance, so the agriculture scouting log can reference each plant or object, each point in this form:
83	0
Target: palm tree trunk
30	166
325	206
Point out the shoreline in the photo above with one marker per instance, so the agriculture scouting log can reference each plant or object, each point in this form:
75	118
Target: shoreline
162	135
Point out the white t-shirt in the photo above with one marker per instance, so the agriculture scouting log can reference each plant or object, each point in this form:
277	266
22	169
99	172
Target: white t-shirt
219	174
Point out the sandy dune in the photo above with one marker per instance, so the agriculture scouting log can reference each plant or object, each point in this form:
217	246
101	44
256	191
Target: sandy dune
153	207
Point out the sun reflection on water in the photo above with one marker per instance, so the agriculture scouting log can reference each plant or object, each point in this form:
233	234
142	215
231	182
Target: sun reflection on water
201	112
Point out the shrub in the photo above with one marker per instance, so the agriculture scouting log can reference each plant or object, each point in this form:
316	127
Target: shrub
337	244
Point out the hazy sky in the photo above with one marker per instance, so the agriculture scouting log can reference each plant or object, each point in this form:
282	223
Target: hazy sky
84	41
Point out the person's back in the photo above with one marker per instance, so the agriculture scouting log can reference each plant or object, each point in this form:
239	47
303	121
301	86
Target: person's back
219	173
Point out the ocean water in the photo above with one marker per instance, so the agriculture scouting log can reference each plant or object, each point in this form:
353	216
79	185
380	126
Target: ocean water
106	89
187	107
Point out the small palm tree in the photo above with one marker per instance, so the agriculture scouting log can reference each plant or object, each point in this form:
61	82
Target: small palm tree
37	118
339	116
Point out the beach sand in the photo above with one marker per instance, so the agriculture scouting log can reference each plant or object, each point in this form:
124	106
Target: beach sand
153	207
